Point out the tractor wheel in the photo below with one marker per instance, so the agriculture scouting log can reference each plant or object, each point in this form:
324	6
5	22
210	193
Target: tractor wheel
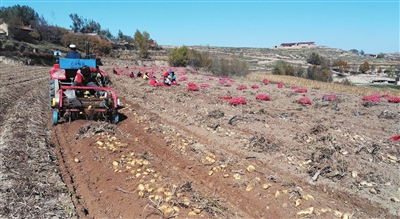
55	117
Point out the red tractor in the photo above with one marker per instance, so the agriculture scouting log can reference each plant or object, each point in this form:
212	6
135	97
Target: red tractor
69	100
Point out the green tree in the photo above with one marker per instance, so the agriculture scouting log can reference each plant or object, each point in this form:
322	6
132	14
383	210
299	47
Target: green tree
314	59
17	16
25	14
391	71
361	53
146	35
283	68
106	34
77	23
198	59
364	67
341	65
141	44
179	57
83	25
48	32
380	56
90	26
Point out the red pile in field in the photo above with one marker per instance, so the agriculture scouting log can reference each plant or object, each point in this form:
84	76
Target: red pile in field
183	79
372	98
305	100
226	98
263	97
192	87
329	97
237	100
392	99
254	86
395	138
241	87
204	85
280	84
265	81
301	90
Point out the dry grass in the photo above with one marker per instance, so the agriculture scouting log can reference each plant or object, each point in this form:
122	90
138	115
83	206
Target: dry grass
334	87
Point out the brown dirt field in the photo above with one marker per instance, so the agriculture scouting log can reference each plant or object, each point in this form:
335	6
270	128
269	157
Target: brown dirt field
190	154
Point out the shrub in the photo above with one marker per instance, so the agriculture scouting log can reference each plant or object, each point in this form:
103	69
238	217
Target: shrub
341	65
97	46
283	68
179	57
364	67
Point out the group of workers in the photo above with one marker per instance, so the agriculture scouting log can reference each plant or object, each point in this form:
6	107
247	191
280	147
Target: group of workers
88	76
169	78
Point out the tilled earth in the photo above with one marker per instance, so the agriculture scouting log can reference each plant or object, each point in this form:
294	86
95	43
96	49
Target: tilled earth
180	153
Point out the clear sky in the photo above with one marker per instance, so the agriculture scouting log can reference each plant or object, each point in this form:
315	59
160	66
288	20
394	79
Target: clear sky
369	25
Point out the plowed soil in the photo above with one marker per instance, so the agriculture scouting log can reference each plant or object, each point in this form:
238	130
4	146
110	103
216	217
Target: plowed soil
180	153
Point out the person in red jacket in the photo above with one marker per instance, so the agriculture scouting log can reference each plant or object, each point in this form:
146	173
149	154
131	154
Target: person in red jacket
153	81
88	76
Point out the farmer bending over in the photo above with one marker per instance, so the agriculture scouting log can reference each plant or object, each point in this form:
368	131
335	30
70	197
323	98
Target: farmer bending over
88	77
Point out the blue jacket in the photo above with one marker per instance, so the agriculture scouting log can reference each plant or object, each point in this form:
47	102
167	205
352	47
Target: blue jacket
73	55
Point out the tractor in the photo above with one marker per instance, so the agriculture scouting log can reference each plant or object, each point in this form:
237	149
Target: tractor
69	101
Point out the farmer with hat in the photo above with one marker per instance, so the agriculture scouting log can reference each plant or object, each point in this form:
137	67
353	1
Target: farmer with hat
73	54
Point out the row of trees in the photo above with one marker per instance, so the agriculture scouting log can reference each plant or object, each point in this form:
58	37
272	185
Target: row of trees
18	16
227	67
320	68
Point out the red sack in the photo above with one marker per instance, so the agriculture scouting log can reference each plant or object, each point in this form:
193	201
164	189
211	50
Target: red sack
242	87
330	97
228	85
372	98
254	86
280	84
263	97
294	87
183	79
301	90
395	138
265	81
204	85
152	82
226	98
305	100
192	87
237	100
393	99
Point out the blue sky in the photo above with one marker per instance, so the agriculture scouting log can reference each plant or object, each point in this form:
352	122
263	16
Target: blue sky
372	26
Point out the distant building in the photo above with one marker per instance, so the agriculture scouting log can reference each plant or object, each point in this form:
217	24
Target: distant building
3	28
296	45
